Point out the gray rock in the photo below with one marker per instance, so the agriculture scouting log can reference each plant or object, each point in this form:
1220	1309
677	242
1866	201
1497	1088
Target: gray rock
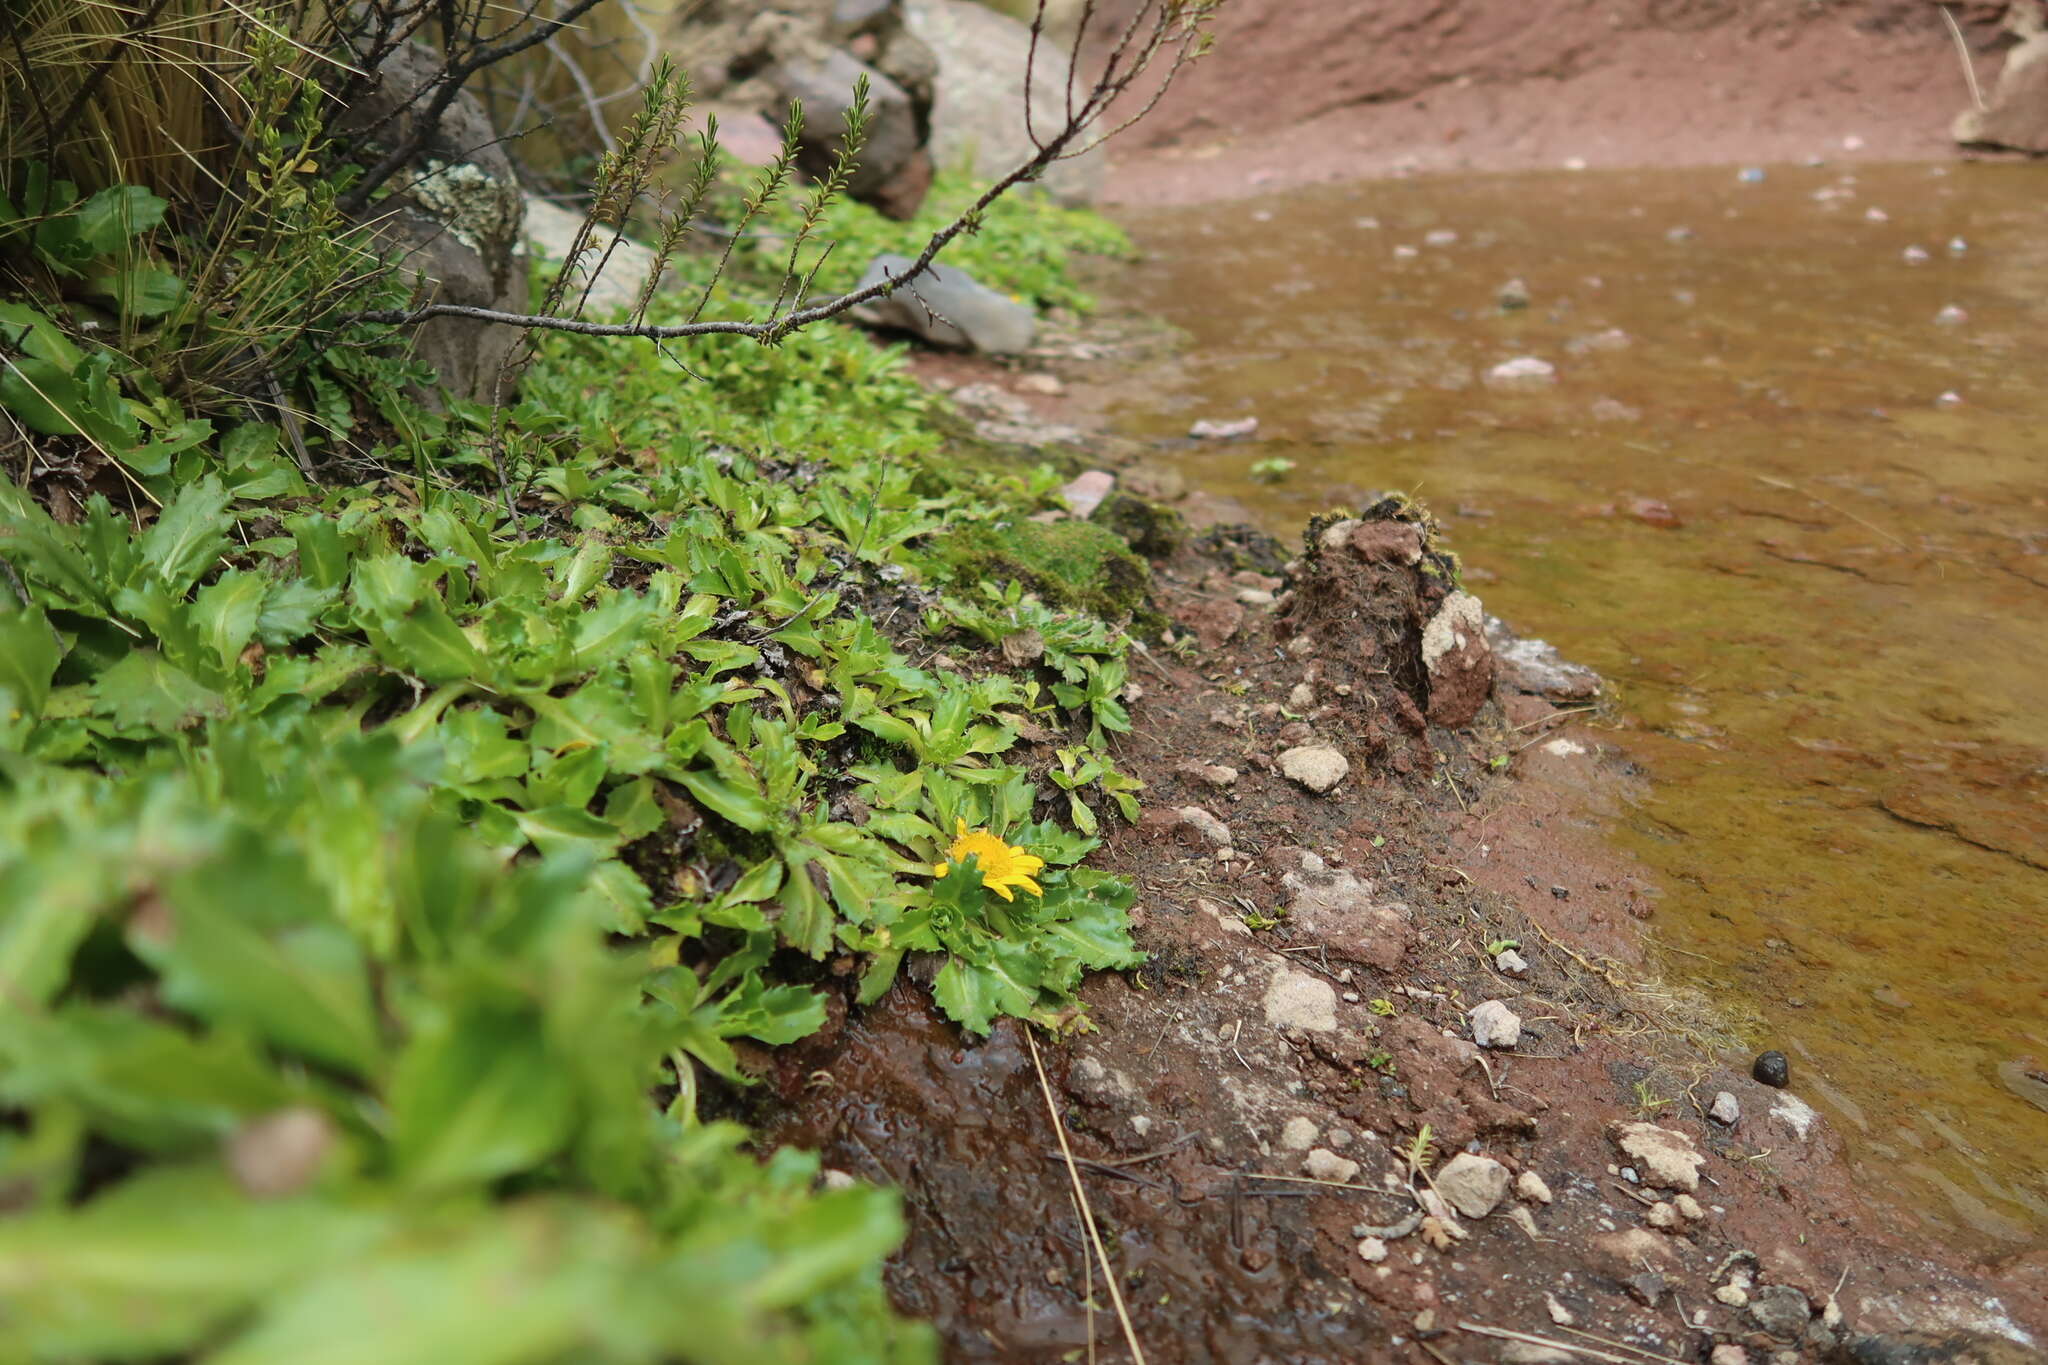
1666	1158
1315	766
2016	114
1212	831
1495	1025
1508	962
1513	295
977	117
1296	1000
1299	1134
1780	1310
1324	1164
613	275
1535	666
946	306
455	227
823	80
1474	1185
1726	1109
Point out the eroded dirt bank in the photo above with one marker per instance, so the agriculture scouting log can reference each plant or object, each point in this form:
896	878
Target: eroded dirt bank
1297	1146
1304	91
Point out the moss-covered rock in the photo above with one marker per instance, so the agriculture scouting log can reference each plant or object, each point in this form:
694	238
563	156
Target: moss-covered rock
1149	528
1067	563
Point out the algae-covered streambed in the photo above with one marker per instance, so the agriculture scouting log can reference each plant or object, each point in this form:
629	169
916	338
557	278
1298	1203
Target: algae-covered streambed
1834	667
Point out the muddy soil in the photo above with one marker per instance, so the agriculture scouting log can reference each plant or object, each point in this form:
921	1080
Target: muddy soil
1293	1145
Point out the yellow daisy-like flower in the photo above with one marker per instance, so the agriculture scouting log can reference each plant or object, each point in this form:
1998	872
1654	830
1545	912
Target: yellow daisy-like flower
1002	865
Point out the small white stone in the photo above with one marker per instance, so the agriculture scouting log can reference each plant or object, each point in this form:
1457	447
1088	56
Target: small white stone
1728	1353
1299	1134
1473	1185
1559	1314
1372	1249
1726	1109
1301	698
1523	372
831	1179
1914	255
1688	1208
1315	766
1495	1025
1324	1164
1296	1000
1141	1124
1531	1187
1663	1217
1511	963
1212	831
1734	1295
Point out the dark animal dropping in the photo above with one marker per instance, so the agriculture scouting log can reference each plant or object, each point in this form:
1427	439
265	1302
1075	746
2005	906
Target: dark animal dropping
1772	1069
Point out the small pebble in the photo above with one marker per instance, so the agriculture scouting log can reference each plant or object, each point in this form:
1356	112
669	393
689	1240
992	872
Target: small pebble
1726	1109
1951	316
1772	1069
1957	246
1914	255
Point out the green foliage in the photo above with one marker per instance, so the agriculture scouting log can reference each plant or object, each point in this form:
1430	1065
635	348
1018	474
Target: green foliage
461	847
1023	246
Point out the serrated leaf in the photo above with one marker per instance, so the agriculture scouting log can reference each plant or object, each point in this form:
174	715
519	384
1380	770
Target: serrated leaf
189	534
973	993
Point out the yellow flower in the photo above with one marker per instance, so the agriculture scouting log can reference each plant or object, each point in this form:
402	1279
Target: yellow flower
1002	865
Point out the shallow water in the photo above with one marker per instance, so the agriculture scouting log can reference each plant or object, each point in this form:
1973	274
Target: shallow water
1835	669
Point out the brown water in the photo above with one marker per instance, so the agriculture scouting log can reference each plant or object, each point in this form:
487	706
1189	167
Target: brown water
1836	668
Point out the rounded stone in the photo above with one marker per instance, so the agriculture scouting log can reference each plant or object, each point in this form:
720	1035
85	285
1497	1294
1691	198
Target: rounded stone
1772	1069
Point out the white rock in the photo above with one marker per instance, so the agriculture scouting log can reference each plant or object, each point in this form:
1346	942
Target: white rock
1296	1000
1511	963
1688	1208
1372	1249
1734	1295
1796	1114
1474	1185
1315	766
1213	832
1495	1025
831	1179
1559	1314
1301	698
1951	315
1210	430
1531	1187
1728	1353
1663	1217
1523	372
1667	1159
1299	1134
1726	1109
1087	491
1914	255
1324	1164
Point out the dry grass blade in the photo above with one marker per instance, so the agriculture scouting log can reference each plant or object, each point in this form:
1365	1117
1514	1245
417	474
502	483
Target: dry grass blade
1505	1334
1059	1129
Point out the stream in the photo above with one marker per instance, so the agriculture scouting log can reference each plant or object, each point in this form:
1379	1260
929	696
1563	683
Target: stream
1787	491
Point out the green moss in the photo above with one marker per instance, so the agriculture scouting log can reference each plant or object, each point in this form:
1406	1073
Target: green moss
1075	564
1152	530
